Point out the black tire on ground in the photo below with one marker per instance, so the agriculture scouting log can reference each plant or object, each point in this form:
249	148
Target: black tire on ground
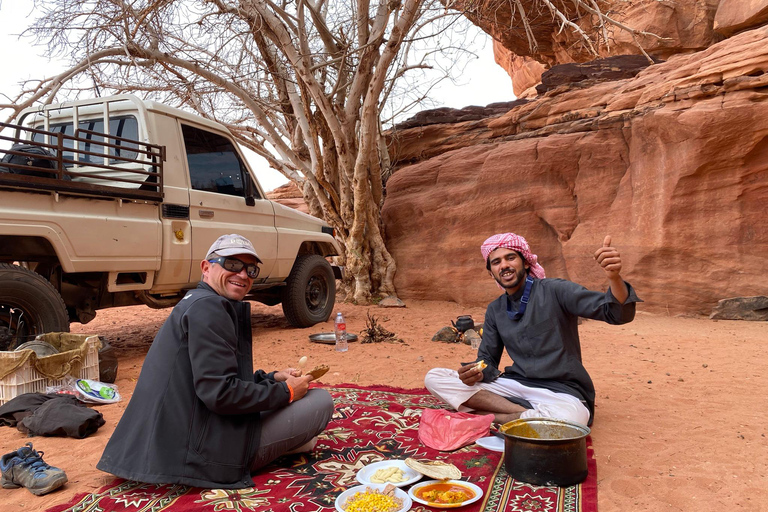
310	291
29	305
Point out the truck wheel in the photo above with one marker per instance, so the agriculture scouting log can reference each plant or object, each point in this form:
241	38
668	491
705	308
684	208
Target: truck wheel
29	305
310	291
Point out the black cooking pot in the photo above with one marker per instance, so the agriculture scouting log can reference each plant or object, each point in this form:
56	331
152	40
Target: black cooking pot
543	451
464	323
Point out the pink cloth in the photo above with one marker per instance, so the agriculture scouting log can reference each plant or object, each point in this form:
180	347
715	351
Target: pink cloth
515	243
447	430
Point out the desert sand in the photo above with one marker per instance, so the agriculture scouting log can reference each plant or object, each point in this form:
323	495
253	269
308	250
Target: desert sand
681	409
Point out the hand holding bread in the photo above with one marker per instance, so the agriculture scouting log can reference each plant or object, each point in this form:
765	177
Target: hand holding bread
318	371
472	373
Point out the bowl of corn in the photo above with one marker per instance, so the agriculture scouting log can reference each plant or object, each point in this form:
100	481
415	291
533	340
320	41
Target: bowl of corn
373	498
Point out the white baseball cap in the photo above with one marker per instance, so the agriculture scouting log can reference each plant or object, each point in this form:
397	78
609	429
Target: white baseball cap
230	245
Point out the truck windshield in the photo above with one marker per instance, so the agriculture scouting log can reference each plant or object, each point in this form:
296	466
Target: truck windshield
214	165
125	127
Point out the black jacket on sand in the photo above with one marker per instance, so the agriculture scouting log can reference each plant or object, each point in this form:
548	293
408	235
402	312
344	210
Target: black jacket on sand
194	417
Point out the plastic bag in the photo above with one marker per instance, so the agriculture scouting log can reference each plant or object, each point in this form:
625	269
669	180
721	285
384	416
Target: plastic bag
447	431
67	387
87	390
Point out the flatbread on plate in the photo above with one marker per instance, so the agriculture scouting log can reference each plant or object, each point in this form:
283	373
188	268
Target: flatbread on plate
434	469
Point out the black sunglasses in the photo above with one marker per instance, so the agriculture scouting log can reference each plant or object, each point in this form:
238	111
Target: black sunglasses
235	265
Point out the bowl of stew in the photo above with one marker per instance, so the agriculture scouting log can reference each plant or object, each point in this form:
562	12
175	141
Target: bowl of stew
445	493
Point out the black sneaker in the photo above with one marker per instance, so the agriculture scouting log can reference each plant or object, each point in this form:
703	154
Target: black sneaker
25	468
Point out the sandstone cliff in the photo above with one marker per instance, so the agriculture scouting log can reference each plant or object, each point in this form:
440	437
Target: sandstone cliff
672	162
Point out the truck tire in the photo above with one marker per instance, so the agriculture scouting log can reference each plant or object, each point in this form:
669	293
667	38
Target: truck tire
310	291
29	305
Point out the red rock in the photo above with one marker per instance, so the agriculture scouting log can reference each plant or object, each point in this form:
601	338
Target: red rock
672	163
735	15
524	71
682	27
289	195
599	70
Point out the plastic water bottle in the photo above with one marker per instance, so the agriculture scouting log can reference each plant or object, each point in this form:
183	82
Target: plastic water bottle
340	329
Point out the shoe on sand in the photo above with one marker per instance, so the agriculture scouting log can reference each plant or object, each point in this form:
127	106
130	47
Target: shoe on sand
25	468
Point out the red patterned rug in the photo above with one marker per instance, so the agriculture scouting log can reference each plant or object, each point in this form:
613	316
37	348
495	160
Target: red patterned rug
370	424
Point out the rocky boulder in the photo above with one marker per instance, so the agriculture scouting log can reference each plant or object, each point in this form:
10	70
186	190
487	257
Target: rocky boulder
742	308
673	163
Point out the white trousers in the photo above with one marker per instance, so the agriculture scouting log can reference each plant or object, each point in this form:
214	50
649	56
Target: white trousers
446	385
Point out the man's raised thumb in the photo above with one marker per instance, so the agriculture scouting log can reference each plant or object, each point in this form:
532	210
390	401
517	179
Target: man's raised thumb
607	241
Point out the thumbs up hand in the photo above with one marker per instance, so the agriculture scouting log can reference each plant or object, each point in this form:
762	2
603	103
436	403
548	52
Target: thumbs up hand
609	258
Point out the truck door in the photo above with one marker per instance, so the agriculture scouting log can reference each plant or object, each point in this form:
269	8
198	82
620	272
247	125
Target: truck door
219	185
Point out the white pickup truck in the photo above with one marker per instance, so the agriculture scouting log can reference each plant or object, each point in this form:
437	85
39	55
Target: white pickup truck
97	214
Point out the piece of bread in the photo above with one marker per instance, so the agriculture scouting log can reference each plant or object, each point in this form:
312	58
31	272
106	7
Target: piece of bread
480	365
434	469
318	371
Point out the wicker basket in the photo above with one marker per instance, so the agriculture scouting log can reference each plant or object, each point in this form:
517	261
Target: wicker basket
23	372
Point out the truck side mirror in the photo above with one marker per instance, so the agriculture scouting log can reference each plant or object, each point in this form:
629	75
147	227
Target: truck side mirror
250	189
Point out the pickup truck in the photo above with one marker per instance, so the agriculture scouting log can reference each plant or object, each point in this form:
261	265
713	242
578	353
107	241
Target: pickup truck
114	202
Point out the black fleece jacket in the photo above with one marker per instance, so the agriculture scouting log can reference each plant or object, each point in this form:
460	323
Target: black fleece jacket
194	417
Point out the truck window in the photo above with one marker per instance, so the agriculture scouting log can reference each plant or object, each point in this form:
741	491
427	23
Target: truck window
123	126
214	165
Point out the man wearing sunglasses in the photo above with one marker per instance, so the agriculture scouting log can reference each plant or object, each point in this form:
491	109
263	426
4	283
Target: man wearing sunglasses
200	415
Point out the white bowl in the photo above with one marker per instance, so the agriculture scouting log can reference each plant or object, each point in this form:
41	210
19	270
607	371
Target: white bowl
399	494
365	474
477	490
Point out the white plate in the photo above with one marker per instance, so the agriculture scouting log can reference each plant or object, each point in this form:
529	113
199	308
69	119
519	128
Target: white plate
493	443
412	493
399	494
365	474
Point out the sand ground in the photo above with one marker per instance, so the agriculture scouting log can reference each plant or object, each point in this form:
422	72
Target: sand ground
680	424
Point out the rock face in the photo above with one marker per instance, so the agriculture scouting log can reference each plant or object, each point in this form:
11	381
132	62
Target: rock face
524	71
600	70
677	27
735	15
673	163
430	137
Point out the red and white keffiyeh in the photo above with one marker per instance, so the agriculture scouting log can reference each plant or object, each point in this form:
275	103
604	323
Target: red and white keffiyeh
515	243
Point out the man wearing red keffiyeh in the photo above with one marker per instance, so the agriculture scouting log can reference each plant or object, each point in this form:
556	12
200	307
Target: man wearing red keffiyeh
536	322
